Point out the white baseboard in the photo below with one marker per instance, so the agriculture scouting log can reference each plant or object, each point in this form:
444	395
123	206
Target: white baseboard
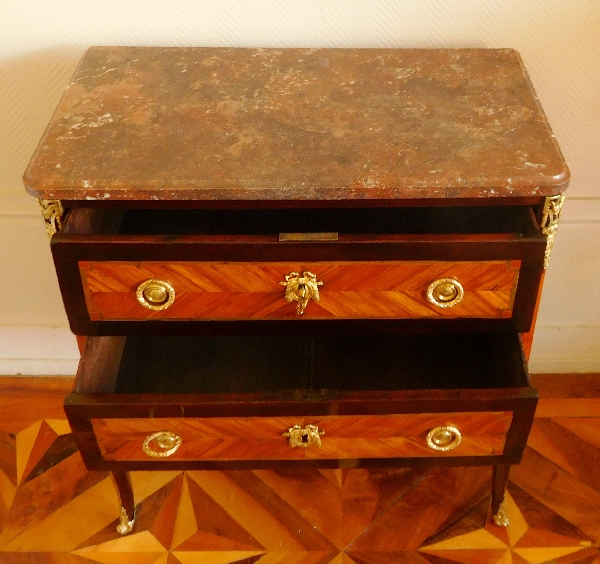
564	349
37	351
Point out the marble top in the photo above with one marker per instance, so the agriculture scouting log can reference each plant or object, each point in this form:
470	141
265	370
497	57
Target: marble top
150	123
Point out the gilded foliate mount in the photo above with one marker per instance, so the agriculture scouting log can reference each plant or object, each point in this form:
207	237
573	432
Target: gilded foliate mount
549	222
53	213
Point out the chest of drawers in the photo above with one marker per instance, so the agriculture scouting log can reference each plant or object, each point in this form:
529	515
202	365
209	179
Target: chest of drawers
327	258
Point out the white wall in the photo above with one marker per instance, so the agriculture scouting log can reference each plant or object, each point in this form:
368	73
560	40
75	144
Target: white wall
41	42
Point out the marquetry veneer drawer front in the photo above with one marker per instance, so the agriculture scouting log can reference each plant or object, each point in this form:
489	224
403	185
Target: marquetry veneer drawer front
330	437
152	290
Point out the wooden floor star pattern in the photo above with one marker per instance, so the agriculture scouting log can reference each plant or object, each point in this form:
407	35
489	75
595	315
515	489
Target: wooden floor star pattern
54	511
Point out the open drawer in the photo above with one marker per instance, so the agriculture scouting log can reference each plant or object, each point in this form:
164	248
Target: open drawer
146	271
318	400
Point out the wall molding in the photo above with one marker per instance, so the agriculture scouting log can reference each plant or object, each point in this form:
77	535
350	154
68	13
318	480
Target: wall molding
37	351
580	210
52	351
564	349
15	205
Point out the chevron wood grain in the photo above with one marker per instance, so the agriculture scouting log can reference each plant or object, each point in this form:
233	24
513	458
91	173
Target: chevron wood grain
261	438
351	290
54	511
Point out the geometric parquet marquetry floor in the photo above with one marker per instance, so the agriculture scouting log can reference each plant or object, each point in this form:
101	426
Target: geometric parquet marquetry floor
54	511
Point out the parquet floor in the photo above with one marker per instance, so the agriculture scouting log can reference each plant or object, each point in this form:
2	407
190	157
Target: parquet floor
53	511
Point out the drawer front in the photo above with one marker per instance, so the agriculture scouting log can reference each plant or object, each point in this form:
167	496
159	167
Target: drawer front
114	290
332	437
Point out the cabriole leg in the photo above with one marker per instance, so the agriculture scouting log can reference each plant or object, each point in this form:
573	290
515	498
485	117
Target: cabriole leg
499	479
123	484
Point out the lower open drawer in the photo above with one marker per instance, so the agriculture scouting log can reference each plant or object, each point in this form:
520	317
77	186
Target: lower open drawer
319	400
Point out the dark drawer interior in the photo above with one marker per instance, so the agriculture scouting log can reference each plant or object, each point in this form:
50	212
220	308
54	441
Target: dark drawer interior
350	362
418	220
414	220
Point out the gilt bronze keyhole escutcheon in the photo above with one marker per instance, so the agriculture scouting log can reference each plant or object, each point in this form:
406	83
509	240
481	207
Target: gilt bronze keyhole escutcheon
301	289
304	436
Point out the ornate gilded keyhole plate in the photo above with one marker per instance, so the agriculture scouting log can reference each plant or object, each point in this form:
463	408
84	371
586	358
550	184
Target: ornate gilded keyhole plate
301	289
304	436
